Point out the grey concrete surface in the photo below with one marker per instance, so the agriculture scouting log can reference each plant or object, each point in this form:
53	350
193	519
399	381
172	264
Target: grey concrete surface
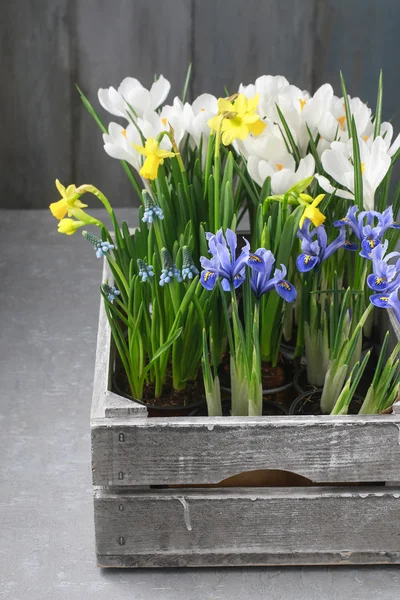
48	319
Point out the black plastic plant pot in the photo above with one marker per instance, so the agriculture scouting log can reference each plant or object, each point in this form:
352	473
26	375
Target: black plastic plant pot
309	403
153	410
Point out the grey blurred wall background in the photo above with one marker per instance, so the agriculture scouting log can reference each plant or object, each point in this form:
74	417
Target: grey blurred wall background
46	46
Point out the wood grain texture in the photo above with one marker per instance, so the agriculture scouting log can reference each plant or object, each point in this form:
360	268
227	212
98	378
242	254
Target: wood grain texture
281	526
343	42
237	42
114	41
192	450
35	99
104	402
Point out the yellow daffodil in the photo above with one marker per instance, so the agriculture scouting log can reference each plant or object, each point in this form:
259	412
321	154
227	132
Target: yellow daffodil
69	200
154	158
237	119
69	226
311	211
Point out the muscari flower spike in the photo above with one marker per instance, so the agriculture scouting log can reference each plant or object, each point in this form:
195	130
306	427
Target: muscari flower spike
145	271
189	269
151	209
101	247
169	269
111	292
317	251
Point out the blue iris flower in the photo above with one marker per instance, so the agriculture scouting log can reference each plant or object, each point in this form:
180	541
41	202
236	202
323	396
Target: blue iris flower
365	229
262	262
316	251
385	276
224	263
388	300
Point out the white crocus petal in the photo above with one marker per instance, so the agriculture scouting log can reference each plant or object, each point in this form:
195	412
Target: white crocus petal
248	90
306	168
361	113
286	178
379	163
139	99
112	102
174	116
159	92
118	144
205	103
328	128
196	117
282	181
342	147
259	169
394	147
132	95
269	145
336	165
253	164
322	145
328	187
316	108
127	85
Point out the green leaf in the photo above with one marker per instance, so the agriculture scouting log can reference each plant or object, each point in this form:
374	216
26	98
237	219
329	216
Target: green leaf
292	143
378	112
186	83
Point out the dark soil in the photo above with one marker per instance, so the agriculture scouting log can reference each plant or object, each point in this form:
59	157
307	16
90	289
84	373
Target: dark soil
193	395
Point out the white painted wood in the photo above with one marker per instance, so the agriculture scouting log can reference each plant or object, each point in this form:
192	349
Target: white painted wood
105	403
248	527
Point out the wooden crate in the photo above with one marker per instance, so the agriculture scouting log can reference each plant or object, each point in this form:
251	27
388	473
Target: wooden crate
351	517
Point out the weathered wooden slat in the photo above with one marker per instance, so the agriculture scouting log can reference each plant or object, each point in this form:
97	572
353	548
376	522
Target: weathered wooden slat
136	39
104	402
192	450
239	42
257	527
35	97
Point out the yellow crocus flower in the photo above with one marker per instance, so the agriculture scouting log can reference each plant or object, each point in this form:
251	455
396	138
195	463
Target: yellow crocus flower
237	119
69	226
69	200
154	158
311	211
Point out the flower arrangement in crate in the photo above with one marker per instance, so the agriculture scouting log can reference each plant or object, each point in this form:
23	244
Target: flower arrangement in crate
201	315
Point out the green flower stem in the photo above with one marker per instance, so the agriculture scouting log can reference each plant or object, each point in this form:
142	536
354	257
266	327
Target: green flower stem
117	269
207	170
93	190
217	176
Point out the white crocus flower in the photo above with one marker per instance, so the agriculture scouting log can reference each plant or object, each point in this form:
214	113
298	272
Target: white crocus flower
119	143
269	145
334	125
283	174
132	93
338	163
197	115
268	87
173	116
386	132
